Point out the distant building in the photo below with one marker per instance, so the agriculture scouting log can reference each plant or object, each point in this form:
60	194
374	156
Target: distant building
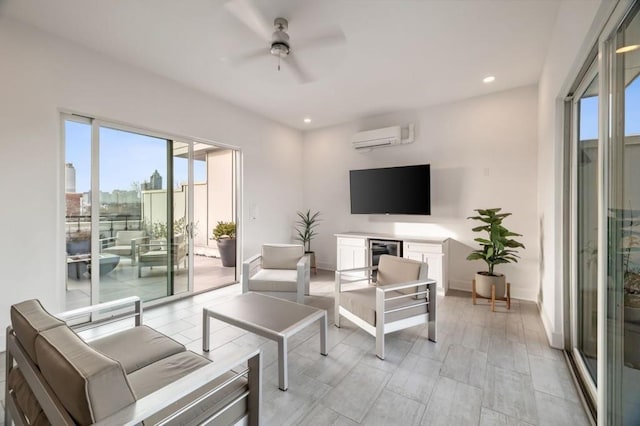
155	181
73	204
70	178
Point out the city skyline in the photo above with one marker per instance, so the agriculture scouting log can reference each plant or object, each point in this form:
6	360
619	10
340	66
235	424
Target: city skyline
138	156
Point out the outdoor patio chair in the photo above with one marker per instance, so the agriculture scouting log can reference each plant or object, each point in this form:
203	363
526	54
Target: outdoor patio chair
156	254
124	244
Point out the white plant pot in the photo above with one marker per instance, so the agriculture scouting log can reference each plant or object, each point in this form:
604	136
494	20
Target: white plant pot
484	281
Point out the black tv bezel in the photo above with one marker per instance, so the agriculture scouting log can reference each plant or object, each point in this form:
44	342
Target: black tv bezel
426	212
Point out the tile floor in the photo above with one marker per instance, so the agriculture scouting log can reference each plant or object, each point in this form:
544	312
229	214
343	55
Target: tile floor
486	369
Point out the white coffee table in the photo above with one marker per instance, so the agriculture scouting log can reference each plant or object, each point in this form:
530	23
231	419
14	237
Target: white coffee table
269	317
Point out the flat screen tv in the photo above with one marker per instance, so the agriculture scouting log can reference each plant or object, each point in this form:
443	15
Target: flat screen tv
391	190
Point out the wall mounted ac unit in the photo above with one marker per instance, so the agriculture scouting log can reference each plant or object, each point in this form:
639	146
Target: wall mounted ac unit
386	136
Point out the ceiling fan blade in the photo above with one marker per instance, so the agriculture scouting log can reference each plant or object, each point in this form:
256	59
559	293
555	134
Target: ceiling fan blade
297	70
247	13
327	39
248	56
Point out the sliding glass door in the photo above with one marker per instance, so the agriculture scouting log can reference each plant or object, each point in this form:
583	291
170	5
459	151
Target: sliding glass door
604	277
623	268
140	208
134	214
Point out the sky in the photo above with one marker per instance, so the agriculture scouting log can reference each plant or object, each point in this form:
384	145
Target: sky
125	158
589	113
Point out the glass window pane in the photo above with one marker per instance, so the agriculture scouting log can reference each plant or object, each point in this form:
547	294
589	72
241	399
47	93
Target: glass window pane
78	212
628	56
135	251
181	227
587	228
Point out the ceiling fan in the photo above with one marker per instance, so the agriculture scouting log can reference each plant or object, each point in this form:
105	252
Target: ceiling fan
277	38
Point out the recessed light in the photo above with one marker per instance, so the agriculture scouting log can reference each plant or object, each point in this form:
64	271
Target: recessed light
307	120
489	79
630	48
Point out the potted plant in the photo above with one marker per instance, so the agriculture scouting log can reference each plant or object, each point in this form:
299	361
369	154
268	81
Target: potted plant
225	235
497	248
305	227
78	242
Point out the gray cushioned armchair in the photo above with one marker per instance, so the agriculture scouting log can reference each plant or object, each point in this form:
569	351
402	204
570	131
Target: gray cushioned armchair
401	297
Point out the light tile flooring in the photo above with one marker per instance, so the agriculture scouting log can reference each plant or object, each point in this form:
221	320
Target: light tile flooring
486	369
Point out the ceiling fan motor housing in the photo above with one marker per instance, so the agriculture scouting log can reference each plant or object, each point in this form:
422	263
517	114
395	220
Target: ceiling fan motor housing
280	39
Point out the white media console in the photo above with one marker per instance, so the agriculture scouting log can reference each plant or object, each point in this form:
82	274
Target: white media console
358	249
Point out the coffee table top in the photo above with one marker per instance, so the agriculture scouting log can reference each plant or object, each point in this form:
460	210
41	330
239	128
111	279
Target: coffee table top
266	312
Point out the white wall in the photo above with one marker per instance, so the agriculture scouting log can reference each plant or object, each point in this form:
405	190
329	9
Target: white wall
482	153
577	25
39	74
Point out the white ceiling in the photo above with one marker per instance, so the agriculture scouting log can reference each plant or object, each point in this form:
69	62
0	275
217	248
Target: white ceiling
399	54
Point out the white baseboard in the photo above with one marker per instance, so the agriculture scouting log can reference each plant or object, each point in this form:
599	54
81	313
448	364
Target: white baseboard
555	339
516	293
325	266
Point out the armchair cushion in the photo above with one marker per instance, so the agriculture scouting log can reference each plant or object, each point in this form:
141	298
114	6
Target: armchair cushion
275	280
89	385
281	256
124	238
394	270
362	303
29	318
119	347
170	369
122	245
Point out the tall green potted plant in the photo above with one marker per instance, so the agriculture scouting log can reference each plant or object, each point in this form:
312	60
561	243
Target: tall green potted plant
225	235
306	229
496	248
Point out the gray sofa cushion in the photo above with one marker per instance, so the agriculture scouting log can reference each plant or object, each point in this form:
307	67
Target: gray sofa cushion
159	374
90	385
123	347
281	256
362	303
166	371
29	318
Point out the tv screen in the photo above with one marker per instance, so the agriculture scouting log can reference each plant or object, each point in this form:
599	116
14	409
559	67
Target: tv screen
391	190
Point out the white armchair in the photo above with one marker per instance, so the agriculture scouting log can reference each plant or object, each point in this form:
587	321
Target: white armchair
124	244
280	268
402	297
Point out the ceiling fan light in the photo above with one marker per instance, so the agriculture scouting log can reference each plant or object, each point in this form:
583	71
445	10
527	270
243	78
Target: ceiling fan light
280	49
629	48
